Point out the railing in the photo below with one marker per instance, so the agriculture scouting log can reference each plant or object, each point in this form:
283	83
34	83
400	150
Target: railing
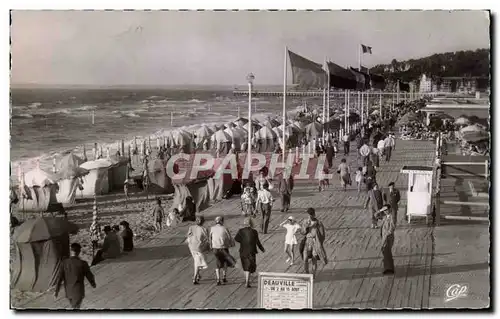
439	165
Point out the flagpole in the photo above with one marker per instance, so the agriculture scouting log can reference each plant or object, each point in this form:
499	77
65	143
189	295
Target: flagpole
324	106
328	94
284	101
359	57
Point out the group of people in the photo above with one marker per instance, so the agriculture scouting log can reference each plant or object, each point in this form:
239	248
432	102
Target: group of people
219	240
116	241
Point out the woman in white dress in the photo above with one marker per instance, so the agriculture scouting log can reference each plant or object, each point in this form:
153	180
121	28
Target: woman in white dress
290	239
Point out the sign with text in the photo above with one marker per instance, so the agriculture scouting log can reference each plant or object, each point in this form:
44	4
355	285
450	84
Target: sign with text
285	291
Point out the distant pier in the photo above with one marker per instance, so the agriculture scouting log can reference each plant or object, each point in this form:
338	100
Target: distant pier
275	93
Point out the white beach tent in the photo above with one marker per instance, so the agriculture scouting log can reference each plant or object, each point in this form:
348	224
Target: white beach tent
69	178
104	175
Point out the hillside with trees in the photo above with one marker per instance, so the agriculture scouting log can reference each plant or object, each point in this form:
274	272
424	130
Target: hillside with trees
460	63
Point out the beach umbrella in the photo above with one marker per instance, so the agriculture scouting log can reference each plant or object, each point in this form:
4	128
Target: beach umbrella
236	133
462	120
289	131
95	228
300	124
221	137
272	123
255	126
181	137
43	228
203	132
376	112
471	128
38	177
475	136
266	133
314	129
444	116
240	121
230	124
69	167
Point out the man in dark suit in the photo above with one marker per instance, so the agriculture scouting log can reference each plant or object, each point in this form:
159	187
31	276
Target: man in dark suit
285	188
249	241
73	273
375	203
392	198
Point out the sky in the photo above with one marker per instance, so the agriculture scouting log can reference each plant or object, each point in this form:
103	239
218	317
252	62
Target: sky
220	48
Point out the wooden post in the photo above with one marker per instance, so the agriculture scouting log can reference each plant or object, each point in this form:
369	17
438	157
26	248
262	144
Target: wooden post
54	169
122	153
94	151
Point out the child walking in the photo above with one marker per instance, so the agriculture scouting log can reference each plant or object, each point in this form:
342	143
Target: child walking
158	215
248	201
359	178
291	227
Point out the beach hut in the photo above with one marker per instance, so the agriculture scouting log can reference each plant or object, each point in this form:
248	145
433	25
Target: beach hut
104	175
197	189
69	176
39	193
314	130
266	140
223	141
41	244
160	182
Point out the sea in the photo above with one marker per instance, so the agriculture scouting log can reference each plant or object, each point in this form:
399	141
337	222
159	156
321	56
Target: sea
49	123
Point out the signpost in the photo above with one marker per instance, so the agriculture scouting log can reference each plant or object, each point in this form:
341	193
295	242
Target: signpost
285	291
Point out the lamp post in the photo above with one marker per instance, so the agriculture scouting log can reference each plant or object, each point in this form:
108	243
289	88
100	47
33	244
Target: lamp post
250	78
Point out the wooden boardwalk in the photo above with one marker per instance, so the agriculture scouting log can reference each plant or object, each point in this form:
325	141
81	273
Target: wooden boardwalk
158	274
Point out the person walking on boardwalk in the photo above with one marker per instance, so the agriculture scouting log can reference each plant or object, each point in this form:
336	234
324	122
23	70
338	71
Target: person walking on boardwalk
387	235
375	157
345	173
292	227
381	146
198	242
127	236
249	241
311	246
285	187
345	139
330	154
248	201
374	202
220	242
370	174
73	273
388	146
392	198
365	151
158	215
265	202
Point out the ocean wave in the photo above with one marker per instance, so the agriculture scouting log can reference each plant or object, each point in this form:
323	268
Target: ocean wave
86	108
62	111
35	105
22	116
195	101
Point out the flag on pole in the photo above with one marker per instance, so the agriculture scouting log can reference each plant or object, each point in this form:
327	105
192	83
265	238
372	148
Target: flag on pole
306	73
377	82
341	78
366	49
362	78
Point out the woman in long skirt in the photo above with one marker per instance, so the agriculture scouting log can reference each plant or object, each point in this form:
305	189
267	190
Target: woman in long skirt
198	241
345	173
249	241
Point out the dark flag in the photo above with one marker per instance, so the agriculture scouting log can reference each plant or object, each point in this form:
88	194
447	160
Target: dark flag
362	78
365	70
404	87
377	82
341	78
306	73
366	49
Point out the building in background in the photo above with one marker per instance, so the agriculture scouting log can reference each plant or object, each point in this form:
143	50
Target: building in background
425	84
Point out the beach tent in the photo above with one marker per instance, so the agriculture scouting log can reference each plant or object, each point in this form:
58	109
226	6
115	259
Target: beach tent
223	141
160	182
266	139
221	183
314	130
105	174
198	190
240	121
69	174
39	193
41	244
